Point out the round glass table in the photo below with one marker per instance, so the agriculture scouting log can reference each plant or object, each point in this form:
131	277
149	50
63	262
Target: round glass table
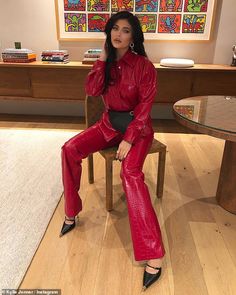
215	116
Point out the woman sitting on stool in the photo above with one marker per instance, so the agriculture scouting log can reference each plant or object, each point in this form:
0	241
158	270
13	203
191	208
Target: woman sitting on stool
126	79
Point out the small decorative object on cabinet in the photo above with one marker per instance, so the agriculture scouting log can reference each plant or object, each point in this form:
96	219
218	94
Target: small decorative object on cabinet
234	57
177	62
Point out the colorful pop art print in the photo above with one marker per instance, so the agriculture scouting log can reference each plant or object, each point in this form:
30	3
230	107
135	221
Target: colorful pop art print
171	5
160	19
146	6
74	5
117	5
186	111
75	22
98	5
195	6
97	22
148	22
190	111
194	23
169	23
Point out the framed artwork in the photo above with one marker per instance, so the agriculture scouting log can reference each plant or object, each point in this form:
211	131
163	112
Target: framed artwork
160	19
191	110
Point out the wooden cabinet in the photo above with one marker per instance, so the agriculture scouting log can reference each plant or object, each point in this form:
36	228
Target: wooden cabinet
58	83
14	82
214	83
36	81
174	84
43	81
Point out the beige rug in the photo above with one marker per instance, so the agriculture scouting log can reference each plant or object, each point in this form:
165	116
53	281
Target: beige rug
30	188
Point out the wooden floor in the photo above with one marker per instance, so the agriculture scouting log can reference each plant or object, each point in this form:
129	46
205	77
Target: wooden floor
97	257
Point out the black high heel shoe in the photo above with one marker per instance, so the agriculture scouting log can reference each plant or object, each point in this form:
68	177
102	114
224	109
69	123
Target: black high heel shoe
67	227
149	278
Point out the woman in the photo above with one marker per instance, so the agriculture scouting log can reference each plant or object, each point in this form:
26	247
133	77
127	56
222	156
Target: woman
127	81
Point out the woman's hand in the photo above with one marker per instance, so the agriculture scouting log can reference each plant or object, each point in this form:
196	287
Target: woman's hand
103	55
123	149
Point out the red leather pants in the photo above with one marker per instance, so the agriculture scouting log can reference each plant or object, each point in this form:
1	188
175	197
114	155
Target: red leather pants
145	230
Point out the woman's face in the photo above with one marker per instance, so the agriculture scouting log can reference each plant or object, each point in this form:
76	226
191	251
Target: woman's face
121	34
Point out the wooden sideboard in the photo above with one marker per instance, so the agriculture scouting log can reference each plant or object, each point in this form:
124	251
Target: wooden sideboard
39	81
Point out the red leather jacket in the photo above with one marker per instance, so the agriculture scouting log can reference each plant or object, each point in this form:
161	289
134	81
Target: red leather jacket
134	88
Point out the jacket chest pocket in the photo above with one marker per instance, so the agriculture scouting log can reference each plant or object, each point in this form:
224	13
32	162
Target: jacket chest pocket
129	91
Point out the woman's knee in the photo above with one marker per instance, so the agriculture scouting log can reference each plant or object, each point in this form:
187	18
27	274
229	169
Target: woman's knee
69	148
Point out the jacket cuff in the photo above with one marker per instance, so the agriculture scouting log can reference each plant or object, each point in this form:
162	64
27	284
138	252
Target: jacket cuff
129	137
128	141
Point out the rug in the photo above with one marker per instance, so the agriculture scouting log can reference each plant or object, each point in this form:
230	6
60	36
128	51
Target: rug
30	188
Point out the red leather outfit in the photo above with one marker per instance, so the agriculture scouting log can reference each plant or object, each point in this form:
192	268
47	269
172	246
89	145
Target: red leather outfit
133	88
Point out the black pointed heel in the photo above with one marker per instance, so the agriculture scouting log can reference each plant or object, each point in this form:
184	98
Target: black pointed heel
67	227
149	278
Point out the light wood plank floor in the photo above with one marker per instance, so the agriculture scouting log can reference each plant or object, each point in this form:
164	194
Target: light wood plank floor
199	236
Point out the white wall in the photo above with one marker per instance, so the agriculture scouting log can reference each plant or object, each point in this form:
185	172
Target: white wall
33	24
226	35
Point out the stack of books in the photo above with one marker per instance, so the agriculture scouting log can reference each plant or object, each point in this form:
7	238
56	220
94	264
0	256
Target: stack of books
18	55
55	56
91	55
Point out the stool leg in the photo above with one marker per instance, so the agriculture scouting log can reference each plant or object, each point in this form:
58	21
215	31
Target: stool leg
109	174
90	169
161	173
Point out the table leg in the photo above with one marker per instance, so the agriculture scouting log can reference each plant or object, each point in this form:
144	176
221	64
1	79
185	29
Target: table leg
226	190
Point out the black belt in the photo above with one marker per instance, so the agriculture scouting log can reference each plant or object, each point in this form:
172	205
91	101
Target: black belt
120	119
121	112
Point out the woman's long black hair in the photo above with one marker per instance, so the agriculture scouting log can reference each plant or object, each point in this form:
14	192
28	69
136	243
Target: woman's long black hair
137	36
